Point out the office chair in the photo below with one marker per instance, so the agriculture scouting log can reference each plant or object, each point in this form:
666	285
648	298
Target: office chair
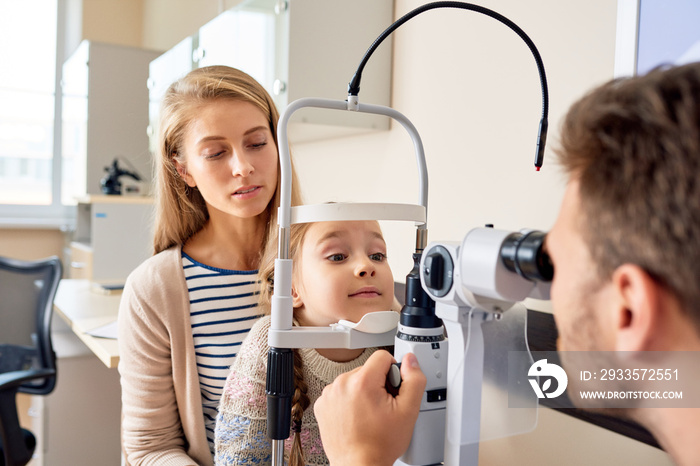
27	359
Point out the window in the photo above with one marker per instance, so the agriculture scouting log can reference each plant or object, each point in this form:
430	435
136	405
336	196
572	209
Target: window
643	40
29	157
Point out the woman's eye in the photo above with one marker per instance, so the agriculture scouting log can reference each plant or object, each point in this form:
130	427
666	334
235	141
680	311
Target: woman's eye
336	257
378	256
258	145
213	155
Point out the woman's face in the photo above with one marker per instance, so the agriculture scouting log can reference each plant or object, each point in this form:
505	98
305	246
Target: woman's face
342	274
231	158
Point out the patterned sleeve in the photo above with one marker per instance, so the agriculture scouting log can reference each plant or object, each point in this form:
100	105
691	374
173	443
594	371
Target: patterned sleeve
241	425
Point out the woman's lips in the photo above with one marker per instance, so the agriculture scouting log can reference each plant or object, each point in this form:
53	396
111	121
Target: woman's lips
246	191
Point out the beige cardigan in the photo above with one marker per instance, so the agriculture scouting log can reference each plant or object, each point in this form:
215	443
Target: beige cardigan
162	417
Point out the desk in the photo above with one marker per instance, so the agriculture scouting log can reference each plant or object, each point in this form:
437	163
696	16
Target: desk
79	422
84	310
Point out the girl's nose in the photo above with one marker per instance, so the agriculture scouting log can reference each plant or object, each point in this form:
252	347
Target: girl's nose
365	268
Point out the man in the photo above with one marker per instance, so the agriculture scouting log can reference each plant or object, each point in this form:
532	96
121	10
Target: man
626	251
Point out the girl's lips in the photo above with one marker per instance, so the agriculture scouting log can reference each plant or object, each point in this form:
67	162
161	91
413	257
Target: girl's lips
366	292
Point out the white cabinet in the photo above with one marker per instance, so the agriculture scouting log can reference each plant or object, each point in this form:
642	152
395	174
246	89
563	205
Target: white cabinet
295	49
163	71
113	236
105	115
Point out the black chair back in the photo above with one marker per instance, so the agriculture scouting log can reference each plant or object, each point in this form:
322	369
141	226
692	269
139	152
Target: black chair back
27	359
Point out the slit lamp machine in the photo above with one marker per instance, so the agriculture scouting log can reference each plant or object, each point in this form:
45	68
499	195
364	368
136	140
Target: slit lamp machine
469	291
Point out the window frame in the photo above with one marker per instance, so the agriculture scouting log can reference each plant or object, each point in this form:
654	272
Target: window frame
56	214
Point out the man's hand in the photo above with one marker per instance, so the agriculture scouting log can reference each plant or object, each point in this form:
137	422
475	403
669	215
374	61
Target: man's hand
360	423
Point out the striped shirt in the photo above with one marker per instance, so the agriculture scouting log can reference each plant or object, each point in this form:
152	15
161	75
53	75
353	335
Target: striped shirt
223	308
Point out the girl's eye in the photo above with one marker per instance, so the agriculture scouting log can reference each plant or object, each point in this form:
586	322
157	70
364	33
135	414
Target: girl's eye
378	256
258	145
336	257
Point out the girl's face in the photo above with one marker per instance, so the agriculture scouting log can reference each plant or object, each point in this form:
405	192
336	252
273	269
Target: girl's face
231	157
342	273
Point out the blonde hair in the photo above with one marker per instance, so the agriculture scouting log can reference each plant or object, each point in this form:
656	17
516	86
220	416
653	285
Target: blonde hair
180	210
266	272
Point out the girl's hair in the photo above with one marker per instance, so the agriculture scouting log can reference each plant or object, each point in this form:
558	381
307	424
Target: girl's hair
180	210
300	399
266	272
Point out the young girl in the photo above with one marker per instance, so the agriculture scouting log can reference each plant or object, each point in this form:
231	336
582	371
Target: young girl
340	271
185	311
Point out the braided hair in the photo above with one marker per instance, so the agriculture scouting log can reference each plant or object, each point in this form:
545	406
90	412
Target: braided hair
300	401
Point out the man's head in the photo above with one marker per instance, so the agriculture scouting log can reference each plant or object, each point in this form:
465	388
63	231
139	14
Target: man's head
630	221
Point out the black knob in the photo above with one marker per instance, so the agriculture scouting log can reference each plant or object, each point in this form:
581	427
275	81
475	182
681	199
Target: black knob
433	271
438	271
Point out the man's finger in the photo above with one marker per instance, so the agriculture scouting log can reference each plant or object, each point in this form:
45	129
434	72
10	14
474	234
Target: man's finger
413	381
377	366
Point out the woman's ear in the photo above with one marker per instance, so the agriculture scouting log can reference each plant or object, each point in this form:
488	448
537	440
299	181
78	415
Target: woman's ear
638	308
182	171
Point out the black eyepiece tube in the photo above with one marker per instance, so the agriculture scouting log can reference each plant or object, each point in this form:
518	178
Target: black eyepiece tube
419	308
524	254
280	389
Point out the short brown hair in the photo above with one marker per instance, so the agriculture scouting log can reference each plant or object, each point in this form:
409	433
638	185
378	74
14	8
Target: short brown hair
634	146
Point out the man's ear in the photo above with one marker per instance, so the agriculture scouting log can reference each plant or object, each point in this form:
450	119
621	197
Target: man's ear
296	298
638	308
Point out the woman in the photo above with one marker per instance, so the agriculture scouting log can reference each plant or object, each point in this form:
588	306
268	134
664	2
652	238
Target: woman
185	311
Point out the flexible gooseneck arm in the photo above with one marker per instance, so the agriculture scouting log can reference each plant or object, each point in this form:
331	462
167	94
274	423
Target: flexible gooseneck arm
354	86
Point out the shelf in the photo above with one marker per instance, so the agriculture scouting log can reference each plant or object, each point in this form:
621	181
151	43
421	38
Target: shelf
108	199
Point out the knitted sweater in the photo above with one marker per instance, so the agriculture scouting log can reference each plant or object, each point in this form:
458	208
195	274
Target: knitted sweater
241	426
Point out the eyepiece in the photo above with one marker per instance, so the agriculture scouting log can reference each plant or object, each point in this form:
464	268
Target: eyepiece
523	253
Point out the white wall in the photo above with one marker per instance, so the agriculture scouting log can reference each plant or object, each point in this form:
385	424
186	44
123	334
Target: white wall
167	22
470	85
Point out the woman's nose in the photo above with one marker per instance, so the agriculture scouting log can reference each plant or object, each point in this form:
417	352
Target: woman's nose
241	166
365	268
